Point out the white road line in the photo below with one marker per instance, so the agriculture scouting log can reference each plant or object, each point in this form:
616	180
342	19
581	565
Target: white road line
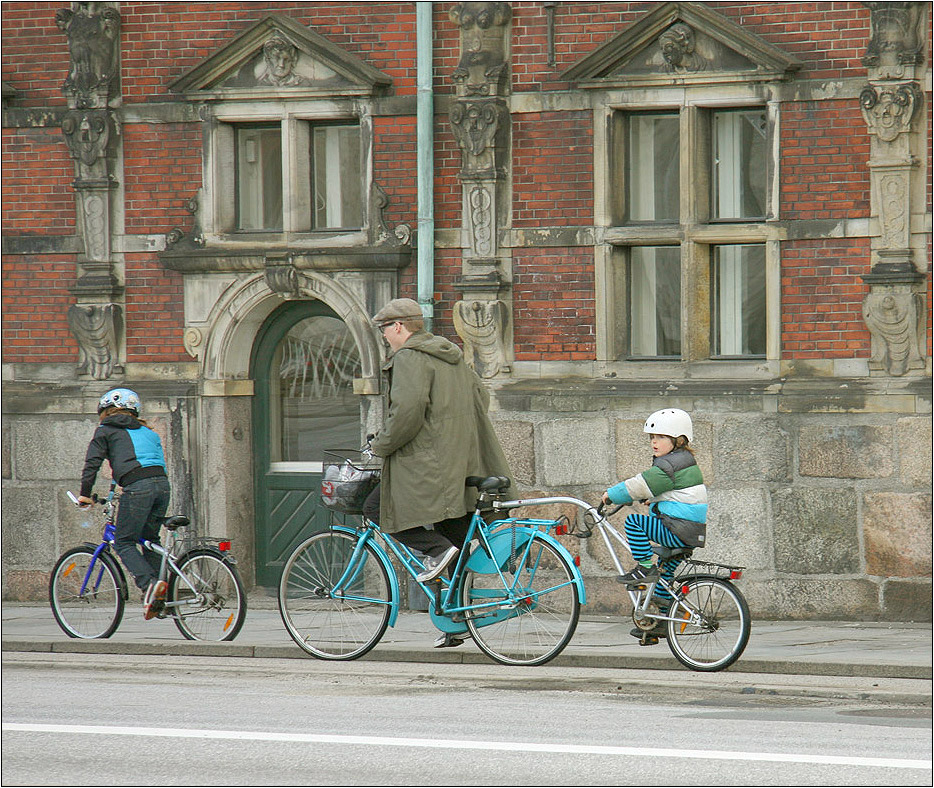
458	744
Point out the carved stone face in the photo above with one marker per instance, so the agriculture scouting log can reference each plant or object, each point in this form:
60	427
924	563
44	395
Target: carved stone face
677	44
280	57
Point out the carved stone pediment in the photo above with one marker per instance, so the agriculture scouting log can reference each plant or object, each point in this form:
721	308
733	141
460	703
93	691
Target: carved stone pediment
682	43
279	56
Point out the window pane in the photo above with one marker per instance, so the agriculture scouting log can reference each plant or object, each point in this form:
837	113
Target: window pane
259	178
312	373
655	301
739	300
653	169
336	163
740	158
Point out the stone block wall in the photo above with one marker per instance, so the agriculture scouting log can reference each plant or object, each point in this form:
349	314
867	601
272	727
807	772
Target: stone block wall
830	514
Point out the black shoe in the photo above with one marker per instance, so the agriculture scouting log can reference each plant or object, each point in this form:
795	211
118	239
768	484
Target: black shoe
639	576
448	640
435	565
660	630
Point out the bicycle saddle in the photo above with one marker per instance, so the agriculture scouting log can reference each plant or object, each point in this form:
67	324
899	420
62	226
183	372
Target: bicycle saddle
175	521
664	553
490	484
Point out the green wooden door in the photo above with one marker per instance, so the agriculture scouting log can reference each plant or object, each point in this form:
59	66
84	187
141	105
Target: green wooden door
304	363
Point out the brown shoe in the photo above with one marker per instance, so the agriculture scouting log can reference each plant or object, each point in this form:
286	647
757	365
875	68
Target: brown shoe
154	599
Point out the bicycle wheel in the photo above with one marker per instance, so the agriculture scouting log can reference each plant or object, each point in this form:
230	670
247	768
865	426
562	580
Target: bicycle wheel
97	610
715	637
214	607
532	617
343	625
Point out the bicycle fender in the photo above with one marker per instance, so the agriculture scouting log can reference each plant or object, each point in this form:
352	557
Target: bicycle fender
387	564
501	543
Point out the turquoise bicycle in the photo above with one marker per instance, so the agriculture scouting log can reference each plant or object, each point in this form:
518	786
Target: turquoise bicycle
514	588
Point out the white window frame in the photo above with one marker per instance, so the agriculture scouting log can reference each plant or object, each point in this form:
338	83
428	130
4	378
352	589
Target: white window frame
696	233
296	120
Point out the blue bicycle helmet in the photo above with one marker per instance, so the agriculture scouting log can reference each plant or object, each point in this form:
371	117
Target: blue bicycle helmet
120	398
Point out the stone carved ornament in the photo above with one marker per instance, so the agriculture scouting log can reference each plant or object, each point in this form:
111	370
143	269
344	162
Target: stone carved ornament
889	109
483	59
279	59
475	124
892	319
679	50
96	327
896	40
482	326
87	134
93	42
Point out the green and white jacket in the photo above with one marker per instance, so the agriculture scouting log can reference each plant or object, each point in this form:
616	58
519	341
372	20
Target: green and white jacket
674	486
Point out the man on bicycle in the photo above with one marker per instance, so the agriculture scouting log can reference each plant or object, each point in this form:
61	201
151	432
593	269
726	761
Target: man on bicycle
436	433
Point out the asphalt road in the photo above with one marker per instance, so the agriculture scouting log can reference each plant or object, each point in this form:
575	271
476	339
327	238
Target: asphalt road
74	719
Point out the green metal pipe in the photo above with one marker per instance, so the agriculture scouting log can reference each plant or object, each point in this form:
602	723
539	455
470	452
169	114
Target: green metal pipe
425	161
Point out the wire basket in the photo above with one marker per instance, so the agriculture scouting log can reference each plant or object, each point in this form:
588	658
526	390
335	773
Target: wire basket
347	483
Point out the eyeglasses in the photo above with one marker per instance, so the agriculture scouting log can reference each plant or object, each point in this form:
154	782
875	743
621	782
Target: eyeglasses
384	326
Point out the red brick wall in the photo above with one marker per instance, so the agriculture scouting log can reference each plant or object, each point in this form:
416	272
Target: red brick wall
35	305
553	304
154	311
38	198
822	298
34	53
395	168
552	169
162	171
824	170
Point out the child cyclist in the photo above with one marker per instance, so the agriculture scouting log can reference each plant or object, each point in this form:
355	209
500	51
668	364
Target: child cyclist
674	488
137	463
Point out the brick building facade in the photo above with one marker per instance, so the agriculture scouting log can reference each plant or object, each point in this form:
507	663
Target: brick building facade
723	206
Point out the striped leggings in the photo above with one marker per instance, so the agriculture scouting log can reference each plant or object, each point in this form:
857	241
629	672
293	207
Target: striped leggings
641	529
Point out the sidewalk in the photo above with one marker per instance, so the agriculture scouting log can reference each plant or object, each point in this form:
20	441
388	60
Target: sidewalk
859	649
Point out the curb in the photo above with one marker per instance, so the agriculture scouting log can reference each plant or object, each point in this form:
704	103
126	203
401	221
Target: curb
389	654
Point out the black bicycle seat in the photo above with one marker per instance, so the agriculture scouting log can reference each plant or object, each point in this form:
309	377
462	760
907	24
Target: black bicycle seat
176	521
666	553
490	484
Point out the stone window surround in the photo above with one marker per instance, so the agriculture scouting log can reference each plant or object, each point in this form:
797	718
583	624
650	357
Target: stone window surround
694	233
297	119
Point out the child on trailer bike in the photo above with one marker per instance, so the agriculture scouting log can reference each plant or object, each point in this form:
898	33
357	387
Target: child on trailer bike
674	488
137	463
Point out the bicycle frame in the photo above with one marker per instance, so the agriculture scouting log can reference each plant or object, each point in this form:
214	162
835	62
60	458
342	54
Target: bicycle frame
640	598
443	597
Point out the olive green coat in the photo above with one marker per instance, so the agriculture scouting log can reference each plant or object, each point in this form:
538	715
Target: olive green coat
436	433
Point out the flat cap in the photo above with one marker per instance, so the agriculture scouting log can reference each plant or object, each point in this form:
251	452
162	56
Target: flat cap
398	309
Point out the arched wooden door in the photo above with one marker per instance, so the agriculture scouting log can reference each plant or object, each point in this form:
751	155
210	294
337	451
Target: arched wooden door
304	363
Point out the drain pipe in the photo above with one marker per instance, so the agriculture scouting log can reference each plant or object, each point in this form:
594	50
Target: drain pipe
425	162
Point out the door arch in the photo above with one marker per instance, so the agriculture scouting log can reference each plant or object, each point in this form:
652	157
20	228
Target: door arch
303	365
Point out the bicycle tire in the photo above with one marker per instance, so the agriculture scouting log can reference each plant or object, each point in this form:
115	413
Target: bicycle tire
216	609
533	626
324	626
719	639
99	610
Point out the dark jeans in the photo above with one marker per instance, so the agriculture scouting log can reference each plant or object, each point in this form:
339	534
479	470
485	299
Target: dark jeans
142	509
431	542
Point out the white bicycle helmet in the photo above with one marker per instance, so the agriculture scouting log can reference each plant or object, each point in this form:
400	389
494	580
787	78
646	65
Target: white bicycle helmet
670	421
120	398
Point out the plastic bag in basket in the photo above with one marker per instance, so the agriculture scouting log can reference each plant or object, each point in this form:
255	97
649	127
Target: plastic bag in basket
345	487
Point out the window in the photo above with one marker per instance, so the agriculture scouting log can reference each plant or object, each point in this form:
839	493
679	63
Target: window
655	301
259	177
689	250
739	300
740	156
285	177
653	169
336	167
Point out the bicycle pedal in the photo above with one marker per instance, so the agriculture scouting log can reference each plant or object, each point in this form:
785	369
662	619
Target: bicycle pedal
648	640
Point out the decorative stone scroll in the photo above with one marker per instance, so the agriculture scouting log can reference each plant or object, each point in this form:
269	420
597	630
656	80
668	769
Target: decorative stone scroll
94	43
889	109
679	50
482	326
281	276
97	328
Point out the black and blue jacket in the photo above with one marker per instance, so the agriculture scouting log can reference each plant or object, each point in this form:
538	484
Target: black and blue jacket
133	450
